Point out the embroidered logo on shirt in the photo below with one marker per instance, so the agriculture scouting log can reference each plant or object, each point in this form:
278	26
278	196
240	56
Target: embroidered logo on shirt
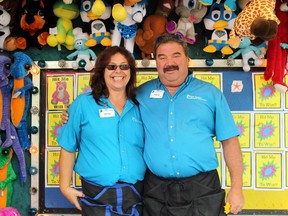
136	120
191	97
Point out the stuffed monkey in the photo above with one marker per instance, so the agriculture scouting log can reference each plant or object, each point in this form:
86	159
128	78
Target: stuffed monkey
276	55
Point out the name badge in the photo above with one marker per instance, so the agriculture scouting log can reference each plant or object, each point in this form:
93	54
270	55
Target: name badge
106	113
157	94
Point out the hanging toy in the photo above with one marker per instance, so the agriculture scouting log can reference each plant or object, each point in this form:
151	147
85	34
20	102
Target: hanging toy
5	122
7	175
21	94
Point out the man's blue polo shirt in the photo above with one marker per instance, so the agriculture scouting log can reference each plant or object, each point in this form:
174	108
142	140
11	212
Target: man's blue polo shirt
179	129
110	149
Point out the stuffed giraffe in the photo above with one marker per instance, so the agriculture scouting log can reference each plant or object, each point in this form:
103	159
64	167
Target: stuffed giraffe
257	21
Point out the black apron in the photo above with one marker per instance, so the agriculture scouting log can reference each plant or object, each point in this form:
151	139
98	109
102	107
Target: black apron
199	195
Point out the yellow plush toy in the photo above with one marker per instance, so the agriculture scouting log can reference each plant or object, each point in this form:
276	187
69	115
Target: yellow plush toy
63	33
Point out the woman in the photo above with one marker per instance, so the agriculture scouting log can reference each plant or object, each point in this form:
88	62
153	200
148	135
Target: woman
105	127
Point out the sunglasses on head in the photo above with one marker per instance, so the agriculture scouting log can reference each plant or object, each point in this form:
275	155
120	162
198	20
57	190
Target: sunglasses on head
114	67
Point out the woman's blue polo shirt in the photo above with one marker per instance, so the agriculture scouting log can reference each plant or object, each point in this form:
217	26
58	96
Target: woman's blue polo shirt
179	129
109	149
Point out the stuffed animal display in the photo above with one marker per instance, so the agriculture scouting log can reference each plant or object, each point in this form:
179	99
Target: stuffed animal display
154	25
33	27
256	21
6	125
229	5
82	52
7	42
127	29
7	176
248	52
276	68
218	20
97	22
21	95
63	33
189	13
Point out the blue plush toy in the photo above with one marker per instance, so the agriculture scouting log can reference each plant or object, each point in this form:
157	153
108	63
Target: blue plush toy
229	5
21	95
82	52
248	52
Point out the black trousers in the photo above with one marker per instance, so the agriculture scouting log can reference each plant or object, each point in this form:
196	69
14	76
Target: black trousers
119	199
199	195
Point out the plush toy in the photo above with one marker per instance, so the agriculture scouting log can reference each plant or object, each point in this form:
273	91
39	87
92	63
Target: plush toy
60	94
21	94
276	68
9	211
256	21
248	53
32	29
83	52
63	33
189	13
7	42
153	26
7	176
218	20
127	29
5	122
230	5
99	34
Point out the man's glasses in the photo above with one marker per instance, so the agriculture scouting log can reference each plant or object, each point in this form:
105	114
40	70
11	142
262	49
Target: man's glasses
114	67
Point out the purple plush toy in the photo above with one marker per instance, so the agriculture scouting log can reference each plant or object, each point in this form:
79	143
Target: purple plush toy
5	122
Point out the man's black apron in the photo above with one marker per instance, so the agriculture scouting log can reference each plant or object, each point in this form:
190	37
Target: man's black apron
199	195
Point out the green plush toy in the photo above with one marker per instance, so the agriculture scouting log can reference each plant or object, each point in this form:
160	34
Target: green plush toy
63	33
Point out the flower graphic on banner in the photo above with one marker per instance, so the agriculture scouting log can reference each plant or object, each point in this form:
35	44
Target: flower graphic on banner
55	129
267	171
54	171
241	127
266	130
267	91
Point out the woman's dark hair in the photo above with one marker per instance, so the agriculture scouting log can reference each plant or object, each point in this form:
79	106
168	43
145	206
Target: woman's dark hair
97	81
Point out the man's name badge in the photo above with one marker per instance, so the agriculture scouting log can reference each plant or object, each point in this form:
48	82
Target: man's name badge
157	94
106	113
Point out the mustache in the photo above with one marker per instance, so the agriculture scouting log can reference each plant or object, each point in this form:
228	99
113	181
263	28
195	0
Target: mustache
171	67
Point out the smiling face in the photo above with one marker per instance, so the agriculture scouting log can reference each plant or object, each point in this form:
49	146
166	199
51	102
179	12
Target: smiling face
116	80
172	64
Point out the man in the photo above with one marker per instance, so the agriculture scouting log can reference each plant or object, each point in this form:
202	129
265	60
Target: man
181	115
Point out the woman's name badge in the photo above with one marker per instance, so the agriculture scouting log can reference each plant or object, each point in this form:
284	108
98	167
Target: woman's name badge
157	94
106	113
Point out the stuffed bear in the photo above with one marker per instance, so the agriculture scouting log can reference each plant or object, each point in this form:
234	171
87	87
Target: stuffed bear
189	13
276	68
32	29
256	21
60	94
82	52
62	34
153	26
